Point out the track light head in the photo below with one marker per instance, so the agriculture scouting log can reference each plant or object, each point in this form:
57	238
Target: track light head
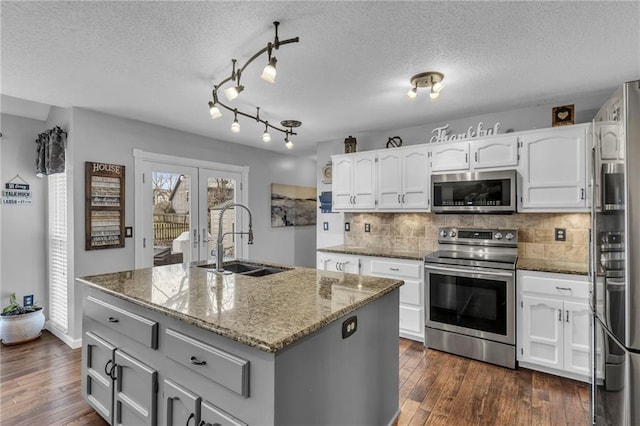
269	71
214	110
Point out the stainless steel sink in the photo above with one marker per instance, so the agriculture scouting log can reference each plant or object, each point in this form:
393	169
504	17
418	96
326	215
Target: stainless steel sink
245	268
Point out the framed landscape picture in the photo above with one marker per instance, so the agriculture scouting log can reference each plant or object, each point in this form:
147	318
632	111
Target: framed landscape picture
293	205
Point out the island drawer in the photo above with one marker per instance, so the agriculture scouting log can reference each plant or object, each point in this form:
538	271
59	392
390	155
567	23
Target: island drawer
210	414
222	367
138	328
396	268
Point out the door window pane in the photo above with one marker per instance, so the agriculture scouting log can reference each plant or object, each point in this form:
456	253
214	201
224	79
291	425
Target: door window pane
171	217
221	192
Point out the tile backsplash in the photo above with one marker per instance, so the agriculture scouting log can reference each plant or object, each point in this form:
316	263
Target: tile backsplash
418	231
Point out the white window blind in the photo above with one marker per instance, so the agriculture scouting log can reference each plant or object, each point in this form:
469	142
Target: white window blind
58	302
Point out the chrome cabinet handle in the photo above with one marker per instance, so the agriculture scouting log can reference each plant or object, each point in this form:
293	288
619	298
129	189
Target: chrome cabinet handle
582	193
110	371
563	288
191	416
403	198
196	361
354	199
567	319
560	315
476	156
394	269
112	319
466	158
398	198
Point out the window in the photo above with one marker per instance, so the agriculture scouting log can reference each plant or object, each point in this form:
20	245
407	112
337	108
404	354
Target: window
58	315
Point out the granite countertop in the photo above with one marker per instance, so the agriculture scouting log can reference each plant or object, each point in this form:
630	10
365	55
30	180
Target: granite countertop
268	313
376	251
558	266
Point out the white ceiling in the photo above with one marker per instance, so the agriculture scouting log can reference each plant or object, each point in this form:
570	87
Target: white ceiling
157	61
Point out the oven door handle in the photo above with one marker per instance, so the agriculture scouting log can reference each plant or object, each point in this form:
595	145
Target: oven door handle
470	271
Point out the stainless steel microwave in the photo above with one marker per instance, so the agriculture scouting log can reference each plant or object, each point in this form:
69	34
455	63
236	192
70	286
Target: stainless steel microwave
475	192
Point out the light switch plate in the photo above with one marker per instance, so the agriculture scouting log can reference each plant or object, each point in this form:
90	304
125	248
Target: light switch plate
325	226
128	231
347	226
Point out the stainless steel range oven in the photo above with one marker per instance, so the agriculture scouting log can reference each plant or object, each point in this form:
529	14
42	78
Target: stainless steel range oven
470	294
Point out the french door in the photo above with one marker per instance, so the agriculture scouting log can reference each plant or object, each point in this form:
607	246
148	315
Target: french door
180	201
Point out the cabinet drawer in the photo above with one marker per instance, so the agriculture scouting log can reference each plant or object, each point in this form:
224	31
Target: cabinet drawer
410	293
215	416
411	319
222	367
553	284
138	328
397	269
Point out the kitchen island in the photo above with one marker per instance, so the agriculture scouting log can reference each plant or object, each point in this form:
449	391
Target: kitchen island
180	344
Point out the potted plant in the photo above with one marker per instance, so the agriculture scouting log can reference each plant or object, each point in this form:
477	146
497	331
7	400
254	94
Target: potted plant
20	324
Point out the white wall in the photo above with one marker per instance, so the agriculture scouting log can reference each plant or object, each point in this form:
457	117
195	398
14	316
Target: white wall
538	117
23	227
110	139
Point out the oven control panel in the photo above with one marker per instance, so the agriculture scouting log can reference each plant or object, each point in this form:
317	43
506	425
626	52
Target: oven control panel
479	236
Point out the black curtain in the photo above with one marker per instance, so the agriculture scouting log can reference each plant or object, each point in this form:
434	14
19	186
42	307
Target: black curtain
51	151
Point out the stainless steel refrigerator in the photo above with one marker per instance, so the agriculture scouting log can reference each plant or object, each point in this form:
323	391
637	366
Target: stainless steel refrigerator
615	259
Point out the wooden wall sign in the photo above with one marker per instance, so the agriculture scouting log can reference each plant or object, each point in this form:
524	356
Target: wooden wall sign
104	206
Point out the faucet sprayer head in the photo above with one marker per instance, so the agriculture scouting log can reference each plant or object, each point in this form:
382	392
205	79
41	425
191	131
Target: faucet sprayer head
250	235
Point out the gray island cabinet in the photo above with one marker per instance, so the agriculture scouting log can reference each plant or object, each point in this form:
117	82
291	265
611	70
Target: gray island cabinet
180	345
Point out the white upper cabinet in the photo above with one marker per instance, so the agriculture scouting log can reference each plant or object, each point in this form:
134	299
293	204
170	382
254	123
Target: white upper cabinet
610	140
403	178
494	153
553	169
354	178
486	153
450	157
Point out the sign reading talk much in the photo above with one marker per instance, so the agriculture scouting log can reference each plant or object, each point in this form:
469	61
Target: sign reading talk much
441	134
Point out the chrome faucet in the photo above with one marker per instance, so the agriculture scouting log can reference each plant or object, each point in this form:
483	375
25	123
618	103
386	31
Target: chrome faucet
220	249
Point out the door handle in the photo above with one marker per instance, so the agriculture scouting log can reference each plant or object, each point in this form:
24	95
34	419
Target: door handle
195	361
195	238
205	240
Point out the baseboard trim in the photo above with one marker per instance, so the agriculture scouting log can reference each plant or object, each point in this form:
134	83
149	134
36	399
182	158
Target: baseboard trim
68	340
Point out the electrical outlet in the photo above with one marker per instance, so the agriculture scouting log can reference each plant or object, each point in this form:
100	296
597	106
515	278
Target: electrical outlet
325	226
27	300
349	326
347	227
561	234
367	227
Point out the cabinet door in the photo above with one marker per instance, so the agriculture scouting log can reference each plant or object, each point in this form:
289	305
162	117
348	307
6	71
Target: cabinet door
542	340
390	172
183	406
135	391
415	178
491	153
212	415
98	384
364	181
554	170
609	138
577	332
450	157
341	187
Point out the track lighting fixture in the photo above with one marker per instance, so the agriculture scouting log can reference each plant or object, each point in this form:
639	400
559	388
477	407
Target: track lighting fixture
266	137
430	79
235	126
269	71
232	92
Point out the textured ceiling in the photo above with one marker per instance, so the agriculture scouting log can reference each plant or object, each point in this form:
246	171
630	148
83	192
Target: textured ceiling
157	61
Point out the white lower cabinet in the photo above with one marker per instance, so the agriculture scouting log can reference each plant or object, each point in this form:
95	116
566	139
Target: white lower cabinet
411	293
554	323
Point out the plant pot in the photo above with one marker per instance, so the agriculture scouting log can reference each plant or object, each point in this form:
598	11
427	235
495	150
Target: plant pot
21	328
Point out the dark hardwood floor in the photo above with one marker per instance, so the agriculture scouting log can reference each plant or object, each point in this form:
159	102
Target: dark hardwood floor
40	385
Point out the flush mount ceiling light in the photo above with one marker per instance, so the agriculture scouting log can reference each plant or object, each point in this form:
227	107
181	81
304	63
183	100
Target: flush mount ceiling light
430	79
233	91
